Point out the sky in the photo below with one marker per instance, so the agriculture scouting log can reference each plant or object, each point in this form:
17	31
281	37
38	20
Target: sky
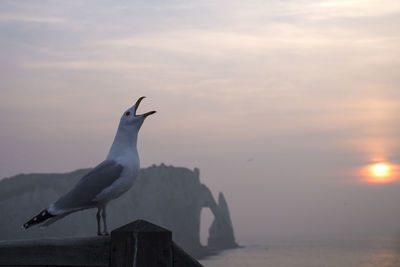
283	105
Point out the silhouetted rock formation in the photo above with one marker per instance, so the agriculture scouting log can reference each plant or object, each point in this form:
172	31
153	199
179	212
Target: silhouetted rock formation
168	196
221	231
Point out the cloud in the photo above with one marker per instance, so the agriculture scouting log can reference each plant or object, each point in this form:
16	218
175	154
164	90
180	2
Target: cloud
88	65
226	43
310	9
351	8
32	19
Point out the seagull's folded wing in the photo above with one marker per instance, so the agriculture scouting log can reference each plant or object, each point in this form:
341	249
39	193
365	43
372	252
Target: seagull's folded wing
84	193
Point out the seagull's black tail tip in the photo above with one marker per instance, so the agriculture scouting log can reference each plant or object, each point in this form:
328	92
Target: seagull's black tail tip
41	217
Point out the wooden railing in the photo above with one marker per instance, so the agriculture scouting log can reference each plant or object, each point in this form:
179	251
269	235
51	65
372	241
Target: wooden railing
138	244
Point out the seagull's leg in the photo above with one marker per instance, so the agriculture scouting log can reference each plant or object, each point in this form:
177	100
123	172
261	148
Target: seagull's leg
98	221
103	215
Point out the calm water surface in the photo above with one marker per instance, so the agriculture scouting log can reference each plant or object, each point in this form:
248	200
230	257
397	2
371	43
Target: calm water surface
339	253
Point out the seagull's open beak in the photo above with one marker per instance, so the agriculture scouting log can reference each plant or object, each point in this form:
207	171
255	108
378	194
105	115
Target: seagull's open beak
137	105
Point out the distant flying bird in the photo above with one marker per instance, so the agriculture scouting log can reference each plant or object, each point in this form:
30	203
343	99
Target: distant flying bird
107	181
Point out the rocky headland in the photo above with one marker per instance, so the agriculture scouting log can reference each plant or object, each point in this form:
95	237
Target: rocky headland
165	195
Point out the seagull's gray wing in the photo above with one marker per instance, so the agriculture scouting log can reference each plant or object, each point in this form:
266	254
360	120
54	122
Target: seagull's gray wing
86	190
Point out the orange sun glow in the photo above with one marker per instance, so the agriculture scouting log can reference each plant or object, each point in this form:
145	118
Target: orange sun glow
380	173
380	170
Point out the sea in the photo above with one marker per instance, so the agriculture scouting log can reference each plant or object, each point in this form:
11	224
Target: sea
377	252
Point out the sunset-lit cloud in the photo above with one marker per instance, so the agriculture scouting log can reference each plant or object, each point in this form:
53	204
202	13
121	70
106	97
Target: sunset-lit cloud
352	8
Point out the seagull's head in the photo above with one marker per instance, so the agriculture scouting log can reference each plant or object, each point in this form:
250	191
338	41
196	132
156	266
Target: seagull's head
131	120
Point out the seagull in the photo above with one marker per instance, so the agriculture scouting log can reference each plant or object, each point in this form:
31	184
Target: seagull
107	181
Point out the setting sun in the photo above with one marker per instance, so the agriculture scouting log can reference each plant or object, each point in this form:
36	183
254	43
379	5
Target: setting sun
380	173
380	170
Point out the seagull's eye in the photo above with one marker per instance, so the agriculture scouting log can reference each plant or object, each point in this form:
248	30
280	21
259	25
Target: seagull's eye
127	113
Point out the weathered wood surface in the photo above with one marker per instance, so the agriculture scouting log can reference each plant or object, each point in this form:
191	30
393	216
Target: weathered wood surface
141	244
91	251
138	244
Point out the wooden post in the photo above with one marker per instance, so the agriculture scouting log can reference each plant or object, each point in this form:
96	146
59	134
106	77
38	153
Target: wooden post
141	244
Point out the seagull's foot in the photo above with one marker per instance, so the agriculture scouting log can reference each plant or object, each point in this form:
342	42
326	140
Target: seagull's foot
103	234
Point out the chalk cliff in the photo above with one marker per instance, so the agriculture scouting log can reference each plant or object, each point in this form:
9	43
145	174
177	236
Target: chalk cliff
168	196
221	231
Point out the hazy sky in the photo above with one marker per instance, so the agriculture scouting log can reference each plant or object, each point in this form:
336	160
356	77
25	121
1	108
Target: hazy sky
279	103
